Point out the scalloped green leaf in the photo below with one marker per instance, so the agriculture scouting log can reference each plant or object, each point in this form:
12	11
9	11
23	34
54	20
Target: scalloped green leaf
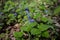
18	34
45	34
35	31
43	27
57	10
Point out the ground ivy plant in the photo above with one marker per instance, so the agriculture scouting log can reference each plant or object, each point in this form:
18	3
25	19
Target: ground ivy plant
34	16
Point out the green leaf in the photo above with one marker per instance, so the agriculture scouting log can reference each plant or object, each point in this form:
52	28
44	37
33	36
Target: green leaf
42	7
37	15
9	5
18	34
11	16
19	16
18	10
27	29
50	21
28	24
19	20
2	35
35	31
45	34
44	19
0	27
32	4
31	9
32	24
43	27
57	10
36	39
8	22
25	17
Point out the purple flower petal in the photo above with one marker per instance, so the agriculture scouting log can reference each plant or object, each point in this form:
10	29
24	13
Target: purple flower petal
26	9
15	14
1	13
31	20
46	11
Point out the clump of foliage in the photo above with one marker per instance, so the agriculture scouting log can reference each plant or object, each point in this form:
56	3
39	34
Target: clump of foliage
35	17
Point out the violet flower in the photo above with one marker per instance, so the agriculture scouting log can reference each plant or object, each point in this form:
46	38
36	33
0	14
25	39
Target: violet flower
15	14
1	13
46	11
28	14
